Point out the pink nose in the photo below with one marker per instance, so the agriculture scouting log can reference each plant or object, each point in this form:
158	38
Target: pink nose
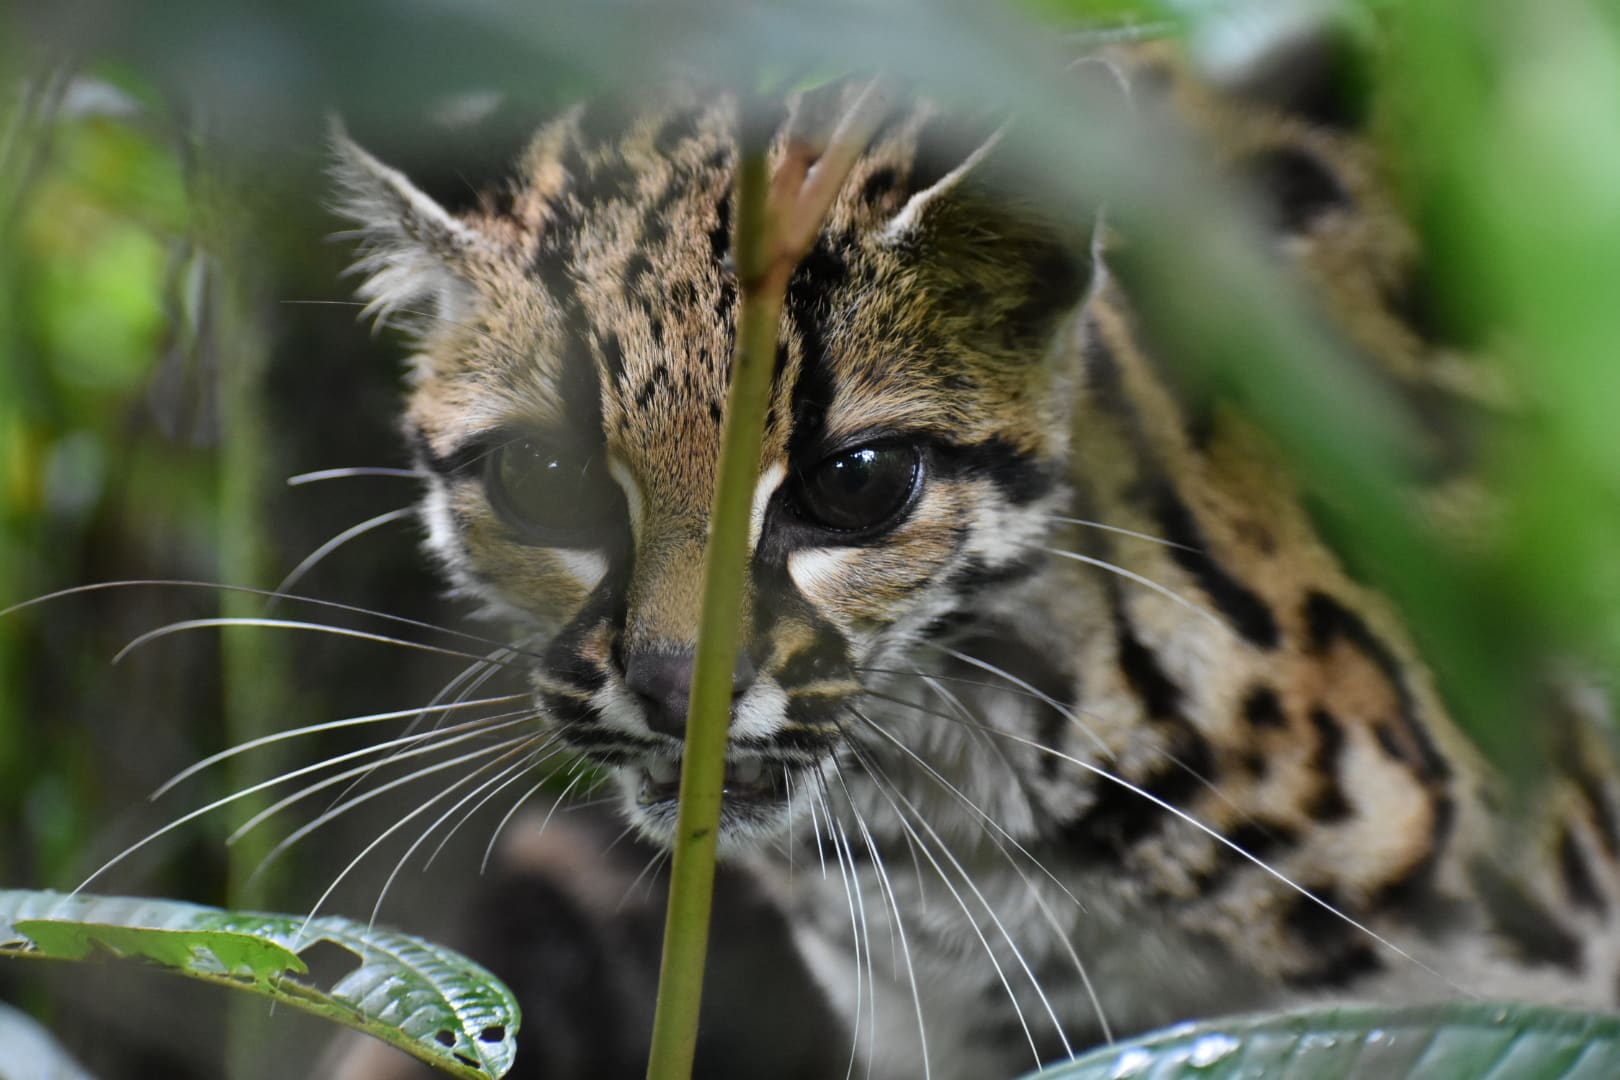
662	679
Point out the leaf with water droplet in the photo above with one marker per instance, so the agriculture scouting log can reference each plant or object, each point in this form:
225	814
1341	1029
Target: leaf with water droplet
1459	1042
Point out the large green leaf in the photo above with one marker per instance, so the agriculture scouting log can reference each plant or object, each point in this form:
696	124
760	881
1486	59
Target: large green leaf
420	997
1458	1042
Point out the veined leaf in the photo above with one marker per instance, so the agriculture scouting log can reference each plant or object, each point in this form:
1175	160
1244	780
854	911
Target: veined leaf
425	999
1460	1042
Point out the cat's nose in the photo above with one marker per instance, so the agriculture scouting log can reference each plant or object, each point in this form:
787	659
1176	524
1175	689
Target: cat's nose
662	679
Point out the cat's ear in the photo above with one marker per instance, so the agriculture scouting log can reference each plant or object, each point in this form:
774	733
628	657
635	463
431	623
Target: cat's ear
978	223
414	254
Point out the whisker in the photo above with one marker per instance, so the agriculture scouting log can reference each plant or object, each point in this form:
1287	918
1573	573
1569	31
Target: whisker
1148	583
989	909
183	583
345	806
886	788
215	805
341	474
286	624
511	747
896	928
523	759
986	821
489	848
311	560
1213	834
538	758
1149	537
311	729
1029	885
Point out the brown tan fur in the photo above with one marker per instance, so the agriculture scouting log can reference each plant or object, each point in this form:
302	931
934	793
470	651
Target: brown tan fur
957	668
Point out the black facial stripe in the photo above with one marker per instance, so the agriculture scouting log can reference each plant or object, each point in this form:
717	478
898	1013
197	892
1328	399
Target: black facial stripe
458	462
1019	475
808	298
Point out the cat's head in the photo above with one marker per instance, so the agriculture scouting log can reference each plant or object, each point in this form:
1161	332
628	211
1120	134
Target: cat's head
568	393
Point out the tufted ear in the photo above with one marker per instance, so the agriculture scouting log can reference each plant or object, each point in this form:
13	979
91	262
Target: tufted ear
412	251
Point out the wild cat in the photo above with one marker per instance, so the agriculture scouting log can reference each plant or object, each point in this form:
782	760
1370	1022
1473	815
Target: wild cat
1058	719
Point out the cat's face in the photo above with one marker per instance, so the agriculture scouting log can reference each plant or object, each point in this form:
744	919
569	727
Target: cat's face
567	409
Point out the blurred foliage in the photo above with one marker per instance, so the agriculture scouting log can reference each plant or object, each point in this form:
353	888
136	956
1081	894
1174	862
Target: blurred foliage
160	197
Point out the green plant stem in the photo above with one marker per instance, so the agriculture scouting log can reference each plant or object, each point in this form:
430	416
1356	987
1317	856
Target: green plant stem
703	764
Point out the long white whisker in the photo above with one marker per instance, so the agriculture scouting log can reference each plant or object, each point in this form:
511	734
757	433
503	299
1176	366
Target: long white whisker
887	789
1149	537
340	474
185	583
427	745
514	746
311	729
846	872
1029	885
286	624
489	848
1148	583
311	560
215	805
524	758
886	891
1214	835
989	909
542	753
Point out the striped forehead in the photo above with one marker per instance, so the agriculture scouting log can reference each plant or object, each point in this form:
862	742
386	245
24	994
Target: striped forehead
629	302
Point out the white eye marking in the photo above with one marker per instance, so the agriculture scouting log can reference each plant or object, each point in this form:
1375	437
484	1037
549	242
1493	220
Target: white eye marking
632	493
587	567
819	570
769	481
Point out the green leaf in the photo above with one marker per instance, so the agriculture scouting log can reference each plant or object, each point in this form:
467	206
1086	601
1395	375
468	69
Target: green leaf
410	993
1459	1042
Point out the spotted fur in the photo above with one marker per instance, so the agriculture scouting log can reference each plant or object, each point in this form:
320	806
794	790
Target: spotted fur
972	700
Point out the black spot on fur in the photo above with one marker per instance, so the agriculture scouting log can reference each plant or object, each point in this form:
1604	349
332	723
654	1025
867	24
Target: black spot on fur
824	658
1523	922
1328	621
1328	804
1247	613
674	131
1295	187
1265	841
1159	694
636	267
878	185
613	357
1345	952
720	235
1262	709
1579	881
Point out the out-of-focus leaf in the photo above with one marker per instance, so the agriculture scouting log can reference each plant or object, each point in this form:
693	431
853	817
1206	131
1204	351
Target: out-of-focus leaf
411	993
1458	1042
28	1052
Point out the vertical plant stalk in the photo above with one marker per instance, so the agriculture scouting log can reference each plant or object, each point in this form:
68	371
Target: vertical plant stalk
777	219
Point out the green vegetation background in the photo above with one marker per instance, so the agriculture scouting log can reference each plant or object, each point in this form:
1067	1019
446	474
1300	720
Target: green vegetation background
174	343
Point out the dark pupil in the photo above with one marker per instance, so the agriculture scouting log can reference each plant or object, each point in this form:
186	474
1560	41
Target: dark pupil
860	488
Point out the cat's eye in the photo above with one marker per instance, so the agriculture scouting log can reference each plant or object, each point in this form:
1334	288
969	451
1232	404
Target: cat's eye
861	489
551	497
